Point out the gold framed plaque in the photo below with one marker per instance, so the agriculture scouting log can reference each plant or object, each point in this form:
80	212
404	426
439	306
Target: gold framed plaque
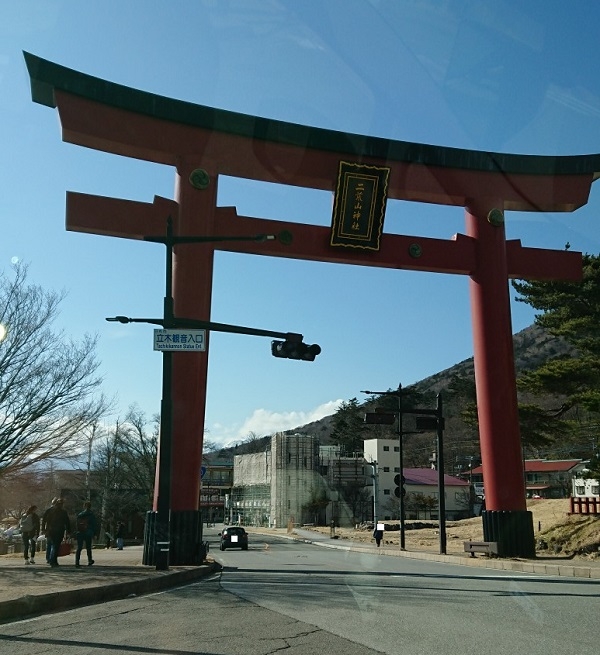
359	207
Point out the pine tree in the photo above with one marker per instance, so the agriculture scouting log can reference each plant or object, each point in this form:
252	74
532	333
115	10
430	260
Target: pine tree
570	310
348	427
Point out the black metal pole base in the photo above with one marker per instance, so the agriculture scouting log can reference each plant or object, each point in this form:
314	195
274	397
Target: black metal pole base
512	530
186	549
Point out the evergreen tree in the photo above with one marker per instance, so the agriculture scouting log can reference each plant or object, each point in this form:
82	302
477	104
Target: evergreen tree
348	427
462	396
570	310
593	467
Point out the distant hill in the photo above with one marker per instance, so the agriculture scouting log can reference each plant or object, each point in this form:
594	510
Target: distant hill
532	346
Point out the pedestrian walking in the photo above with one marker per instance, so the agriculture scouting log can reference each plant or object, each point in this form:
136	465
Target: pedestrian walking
378	536
30	531
57	526
120	535
87	527
44	527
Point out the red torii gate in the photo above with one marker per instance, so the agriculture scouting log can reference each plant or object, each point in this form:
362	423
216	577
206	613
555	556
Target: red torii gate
202	142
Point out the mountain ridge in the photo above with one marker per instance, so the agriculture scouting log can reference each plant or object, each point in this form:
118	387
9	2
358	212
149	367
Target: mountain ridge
532	346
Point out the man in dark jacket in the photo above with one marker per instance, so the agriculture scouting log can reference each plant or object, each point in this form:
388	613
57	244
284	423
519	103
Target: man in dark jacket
44	529
57	525
86	526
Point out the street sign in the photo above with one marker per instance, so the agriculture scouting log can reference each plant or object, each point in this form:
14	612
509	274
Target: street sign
429	423
181	340
379	418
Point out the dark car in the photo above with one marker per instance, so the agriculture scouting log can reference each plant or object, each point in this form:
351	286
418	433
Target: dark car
234	537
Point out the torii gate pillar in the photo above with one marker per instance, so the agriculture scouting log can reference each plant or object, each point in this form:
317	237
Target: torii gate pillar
506	519
203	143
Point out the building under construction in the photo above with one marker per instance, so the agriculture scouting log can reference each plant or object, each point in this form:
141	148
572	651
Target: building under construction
296	482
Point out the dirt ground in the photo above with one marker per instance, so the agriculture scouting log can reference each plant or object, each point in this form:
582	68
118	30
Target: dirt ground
575	535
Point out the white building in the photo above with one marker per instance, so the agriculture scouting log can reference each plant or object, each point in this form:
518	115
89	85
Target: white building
585	498
584	488
421	499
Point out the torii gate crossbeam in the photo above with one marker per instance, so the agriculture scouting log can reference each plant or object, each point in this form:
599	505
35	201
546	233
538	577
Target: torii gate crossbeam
202	143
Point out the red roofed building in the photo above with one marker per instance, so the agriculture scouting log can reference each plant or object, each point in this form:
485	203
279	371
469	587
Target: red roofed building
544	478
421	486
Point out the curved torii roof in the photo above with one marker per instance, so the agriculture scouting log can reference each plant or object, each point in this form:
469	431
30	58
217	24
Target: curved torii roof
259	148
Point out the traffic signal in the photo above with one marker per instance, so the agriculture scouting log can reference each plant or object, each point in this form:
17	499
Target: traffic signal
399	481
293	350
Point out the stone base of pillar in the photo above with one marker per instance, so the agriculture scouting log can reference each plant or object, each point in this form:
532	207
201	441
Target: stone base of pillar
186	545
512	530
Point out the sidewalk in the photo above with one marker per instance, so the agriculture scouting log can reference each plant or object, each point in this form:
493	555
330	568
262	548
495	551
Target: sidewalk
542	565
27	589
31	589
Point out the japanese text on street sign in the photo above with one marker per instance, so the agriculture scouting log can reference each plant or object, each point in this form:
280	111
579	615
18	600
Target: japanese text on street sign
180	340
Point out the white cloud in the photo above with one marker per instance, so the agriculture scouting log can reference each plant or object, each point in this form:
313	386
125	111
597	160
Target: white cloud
264	422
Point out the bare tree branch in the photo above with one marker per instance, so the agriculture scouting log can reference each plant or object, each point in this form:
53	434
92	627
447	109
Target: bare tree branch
48	381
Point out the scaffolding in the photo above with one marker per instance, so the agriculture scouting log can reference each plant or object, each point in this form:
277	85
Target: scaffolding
250	500
348	485
295	478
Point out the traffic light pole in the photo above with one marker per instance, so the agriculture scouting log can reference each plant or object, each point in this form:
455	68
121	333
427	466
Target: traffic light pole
430	419
162	528
398	412
402	504
427	419
441	483
374	475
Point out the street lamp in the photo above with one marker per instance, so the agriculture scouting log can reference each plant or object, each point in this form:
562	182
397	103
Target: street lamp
162	542
3	332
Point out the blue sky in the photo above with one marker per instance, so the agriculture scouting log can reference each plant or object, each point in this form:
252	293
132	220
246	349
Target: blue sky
484	74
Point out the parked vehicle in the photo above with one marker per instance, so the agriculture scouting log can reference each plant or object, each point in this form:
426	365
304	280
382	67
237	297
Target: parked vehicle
234	537
11	534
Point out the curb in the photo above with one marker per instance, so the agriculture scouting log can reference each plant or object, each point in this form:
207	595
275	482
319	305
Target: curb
537	567
30	605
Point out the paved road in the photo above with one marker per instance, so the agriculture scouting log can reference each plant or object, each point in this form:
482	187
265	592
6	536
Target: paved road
200	619
397	604
304	599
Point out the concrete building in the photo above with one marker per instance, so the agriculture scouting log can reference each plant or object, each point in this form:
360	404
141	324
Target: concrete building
298	482
421	499
279	486
250	500
585	488
348	482
585	498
